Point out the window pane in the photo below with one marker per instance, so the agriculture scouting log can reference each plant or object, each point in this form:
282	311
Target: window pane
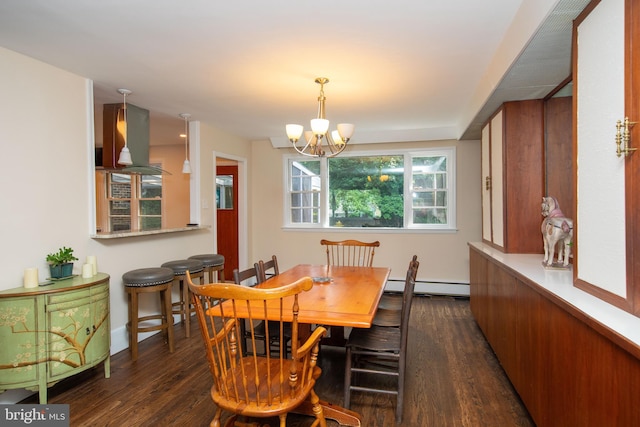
366	191
429	198
119	207
423	199
120	186
304	190
150	223
224	191
430	216
151	186
150	207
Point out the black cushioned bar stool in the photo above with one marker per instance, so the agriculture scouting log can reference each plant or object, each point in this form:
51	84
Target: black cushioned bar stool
180	268
146	280
212	263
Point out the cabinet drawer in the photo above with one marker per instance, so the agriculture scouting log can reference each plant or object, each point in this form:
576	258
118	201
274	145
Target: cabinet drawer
68	296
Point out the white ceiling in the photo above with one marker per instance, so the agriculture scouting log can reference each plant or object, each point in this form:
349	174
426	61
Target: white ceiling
404	70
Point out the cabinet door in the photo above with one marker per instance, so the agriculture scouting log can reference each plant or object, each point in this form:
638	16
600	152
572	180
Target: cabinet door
22	348
69	321
486	184
98	341
497	185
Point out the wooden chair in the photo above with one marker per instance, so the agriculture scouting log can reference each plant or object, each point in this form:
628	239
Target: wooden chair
256	386
250	276
270	341
380	351
350	252
263	268
347	253
389	312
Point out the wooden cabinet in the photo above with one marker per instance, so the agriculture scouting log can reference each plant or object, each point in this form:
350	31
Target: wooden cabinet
513	177
568	369
53	332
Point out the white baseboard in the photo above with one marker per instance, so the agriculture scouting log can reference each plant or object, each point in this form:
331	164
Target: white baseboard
431	288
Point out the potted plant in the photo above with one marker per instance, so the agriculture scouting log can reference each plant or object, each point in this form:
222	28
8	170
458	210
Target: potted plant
61	263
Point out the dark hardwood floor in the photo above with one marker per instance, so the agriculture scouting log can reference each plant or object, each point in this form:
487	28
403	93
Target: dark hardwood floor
453	379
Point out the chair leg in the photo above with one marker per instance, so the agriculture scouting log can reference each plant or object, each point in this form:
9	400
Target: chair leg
347	380
402	363
317	409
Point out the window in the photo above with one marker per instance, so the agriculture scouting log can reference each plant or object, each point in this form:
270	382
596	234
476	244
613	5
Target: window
392	190
134	202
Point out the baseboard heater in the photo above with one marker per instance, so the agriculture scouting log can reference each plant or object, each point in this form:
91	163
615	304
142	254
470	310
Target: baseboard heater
427	287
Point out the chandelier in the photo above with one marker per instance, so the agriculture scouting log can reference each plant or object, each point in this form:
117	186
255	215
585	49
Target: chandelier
336	141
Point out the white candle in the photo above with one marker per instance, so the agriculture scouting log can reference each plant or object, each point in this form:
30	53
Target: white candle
93	261
31	278
87	271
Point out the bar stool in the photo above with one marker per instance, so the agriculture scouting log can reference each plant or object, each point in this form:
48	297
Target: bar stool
179	268
212	262
146	280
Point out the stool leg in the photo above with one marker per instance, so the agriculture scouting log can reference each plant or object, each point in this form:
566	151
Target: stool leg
166	304
164	315
129	316
186	308
221	275
133	330
182	302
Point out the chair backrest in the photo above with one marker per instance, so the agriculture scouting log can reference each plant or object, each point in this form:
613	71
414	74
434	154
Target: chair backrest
254	385
250	275
353	253
263	268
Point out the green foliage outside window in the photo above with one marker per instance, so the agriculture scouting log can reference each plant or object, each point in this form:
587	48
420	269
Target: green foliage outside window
366	191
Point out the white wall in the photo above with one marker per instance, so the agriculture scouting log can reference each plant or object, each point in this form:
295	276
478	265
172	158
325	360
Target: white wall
443	256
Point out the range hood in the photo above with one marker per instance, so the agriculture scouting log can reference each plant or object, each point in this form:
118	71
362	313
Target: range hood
137	139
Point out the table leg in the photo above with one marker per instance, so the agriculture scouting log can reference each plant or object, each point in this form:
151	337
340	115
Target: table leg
343	416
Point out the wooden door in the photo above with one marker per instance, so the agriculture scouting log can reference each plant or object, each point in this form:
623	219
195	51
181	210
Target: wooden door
227	214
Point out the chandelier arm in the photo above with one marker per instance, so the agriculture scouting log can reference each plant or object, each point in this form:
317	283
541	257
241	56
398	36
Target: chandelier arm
333	147
301	150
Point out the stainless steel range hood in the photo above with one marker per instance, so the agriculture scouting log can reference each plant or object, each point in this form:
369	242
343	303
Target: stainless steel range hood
137	139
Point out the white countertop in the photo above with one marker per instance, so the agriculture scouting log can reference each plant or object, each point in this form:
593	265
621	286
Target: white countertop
560	284
121	234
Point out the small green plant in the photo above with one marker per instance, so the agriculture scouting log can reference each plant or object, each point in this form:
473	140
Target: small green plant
63	256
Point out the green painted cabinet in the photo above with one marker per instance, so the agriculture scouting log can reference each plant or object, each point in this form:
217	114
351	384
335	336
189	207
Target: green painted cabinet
52	332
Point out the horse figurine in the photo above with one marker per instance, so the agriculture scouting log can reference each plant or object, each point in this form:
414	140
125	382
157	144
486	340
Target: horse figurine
556	230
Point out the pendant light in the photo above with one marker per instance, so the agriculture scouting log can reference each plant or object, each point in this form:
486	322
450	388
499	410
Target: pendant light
186	166
125	155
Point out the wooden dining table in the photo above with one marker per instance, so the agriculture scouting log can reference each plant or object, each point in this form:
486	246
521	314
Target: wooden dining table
340	296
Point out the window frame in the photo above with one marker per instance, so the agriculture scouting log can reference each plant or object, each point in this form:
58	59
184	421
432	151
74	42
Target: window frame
448	151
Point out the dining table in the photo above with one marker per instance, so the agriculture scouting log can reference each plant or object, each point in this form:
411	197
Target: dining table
340	296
